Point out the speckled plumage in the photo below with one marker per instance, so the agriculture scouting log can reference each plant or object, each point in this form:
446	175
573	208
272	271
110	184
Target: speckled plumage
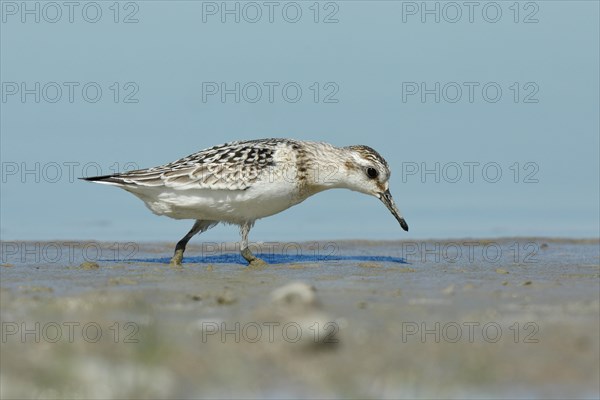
230	166
240	182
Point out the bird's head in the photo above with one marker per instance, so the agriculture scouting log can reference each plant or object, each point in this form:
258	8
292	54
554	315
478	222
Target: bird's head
368	172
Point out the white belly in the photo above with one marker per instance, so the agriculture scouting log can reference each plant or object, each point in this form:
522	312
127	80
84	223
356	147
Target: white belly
232	206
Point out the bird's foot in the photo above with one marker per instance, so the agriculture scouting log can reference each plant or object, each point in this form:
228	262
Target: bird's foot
177	258
257	263
253	261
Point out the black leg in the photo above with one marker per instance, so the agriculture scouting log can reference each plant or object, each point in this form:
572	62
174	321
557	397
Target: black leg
199	226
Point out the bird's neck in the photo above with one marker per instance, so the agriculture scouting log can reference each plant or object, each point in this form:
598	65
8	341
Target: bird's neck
322	168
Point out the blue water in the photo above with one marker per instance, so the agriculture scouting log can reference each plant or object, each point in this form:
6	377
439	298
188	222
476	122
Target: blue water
272	259
369	54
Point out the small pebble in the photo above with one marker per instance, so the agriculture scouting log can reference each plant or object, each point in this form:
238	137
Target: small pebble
89	265
226	297
527	283
294	294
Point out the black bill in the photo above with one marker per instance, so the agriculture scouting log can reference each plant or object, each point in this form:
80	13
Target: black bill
386	198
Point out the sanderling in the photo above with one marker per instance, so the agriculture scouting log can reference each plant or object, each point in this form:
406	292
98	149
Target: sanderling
240	182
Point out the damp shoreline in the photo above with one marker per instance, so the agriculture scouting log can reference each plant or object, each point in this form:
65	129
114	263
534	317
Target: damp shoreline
510	317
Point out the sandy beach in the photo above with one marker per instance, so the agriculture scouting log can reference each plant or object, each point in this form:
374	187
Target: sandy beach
513	317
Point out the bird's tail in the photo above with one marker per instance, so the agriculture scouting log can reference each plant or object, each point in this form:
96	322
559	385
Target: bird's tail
114	179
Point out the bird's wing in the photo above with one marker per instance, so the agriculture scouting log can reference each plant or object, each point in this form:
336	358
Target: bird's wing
231	166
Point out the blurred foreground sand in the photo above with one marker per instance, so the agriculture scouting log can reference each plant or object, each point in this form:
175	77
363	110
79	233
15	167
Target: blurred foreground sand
524	323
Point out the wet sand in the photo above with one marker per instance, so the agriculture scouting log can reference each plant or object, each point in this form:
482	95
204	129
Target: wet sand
508	318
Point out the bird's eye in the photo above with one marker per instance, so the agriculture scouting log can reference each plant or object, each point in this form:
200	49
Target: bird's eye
372	173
